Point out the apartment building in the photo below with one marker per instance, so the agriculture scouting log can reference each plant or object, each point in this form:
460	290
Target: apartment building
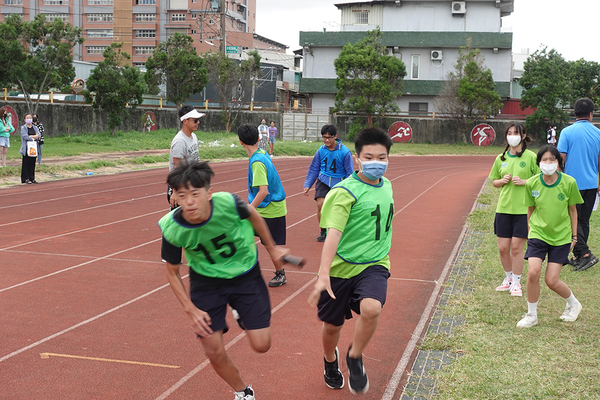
142	24
425	34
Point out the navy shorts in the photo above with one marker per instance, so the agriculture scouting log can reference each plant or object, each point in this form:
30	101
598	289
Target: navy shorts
278	229
510	225
250	299
371	283
321	189
537	248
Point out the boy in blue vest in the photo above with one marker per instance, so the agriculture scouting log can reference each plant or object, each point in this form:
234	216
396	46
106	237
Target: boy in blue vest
331	164
216	231
355	264
265	192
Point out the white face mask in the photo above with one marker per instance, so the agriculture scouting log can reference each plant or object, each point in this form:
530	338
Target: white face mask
548	169
513	140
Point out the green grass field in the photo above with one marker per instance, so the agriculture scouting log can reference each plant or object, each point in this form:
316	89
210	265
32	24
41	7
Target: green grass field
553	360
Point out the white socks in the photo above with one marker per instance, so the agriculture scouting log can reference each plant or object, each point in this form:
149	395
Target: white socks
571	300
509	275
532	308
516	279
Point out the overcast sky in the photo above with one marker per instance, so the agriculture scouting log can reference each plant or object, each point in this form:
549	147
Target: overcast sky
570	27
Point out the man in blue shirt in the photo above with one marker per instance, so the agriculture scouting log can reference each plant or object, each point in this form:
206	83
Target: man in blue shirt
331	164
579	145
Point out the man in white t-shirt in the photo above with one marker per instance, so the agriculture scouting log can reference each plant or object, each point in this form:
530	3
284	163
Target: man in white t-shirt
184	146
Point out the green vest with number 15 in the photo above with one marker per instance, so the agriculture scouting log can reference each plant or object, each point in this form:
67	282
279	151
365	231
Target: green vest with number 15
222	247
367	237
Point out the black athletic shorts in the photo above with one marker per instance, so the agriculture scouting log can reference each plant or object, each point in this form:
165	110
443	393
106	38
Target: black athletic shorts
510	225
537	248
250	299
371	283
278	229
321	189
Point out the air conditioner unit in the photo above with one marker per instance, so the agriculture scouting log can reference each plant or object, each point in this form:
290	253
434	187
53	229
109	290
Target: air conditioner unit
459	7
389	51
436	55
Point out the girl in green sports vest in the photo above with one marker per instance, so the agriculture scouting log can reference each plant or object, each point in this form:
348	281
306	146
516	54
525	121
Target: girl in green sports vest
552	215
509	173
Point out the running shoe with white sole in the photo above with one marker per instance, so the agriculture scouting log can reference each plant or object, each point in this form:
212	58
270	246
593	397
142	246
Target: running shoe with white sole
571	313
505	286
528	321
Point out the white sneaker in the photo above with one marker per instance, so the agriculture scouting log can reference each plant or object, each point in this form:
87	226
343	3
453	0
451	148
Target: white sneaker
528	321
247	394
516	290
506	284
571	313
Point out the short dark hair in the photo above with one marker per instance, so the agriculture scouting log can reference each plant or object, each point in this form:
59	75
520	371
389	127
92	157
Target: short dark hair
248	134
194	174
184	110
554	151
583	107
329	129
369	136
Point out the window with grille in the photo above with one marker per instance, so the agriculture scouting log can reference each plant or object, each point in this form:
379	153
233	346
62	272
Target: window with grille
143	50
361	17
241	27
56	2
99	17
418	108
99	33
145	34
145	17
177	17
414	66
139	64
52	17
145	2
13	3
100	2
95	49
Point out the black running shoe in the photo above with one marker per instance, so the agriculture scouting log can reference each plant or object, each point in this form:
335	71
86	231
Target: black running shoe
574	262
586	262
333	376
322	236
279	279
358	381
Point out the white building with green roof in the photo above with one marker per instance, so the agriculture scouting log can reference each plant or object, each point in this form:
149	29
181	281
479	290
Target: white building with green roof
425	34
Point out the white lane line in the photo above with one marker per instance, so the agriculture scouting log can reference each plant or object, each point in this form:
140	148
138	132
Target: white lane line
392	386
203	365
77	266
80	230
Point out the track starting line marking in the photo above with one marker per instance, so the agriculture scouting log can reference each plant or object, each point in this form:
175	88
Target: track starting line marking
48	355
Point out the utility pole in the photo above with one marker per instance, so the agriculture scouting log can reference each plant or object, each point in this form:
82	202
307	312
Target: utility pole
223	26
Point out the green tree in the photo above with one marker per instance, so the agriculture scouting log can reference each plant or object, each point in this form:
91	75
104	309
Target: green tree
12	50
468	94
48	59
233	81
114	84
367	80
546	83
176	64
585	80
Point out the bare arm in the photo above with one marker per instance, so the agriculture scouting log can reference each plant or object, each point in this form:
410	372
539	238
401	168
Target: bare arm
323	283
200	319
498	183
263	191
573	216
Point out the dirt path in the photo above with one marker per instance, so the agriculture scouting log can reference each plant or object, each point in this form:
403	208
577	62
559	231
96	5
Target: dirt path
83	158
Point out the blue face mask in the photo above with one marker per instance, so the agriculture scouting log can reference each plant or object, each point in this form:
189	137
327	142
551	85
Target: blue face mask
374	170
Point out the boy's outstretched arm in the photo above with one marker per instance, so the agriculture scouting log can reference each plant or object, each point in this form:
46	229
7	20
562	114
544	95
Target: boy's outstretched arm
200	319
262	230
323	283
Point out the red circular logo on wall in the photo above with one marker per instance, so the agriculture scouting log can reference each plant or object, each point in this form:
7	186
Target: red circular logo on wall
400	131
13	118
149	121
483	135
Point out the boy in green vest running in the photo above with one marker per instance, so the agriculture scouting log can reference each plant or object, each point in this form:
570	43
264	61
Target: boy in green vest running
354	263
216	231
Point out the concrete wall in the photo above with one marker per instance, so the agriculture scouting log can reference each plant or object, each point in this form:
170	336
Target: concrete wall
84	119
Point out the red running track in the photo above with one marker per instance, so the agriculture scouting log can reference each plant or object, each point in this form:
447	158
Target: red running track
87	313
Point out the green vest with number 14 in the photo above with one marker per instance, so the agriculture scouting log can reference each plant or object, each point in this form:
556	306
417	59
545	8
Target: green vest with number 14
367	237
222	247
